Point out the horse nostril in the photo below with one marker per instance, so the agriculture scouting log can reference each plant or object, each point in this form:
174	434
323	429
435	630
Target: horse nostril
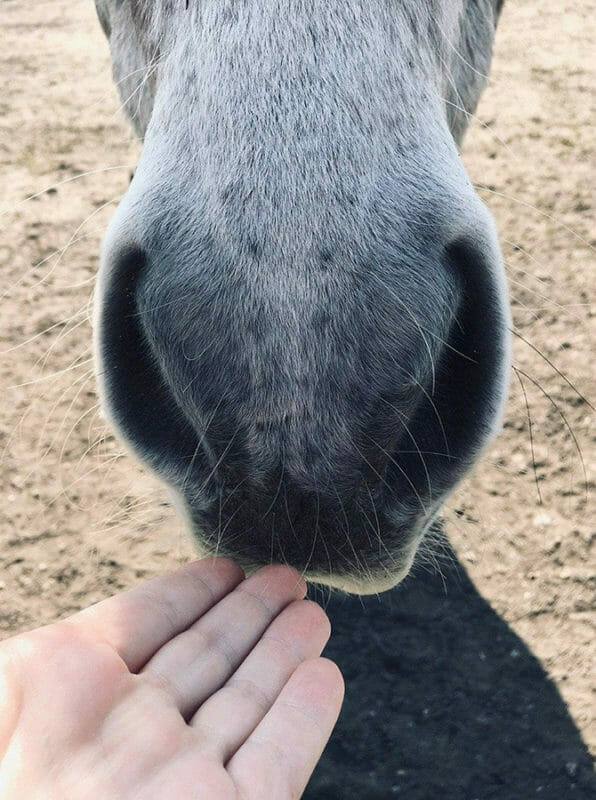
134	393
454	421
480	333
118	332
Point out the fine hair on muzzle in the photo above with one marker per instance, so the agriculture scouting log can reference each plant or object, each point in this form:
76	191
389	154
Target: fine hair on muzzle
301	319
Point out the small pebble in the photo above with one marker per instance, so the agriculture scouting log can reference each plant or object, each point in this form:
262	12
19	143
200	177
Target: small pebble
543	520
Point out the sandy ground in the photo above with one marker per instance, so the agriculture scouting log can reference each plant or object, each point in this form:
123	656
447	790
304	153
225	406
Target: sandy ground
80	520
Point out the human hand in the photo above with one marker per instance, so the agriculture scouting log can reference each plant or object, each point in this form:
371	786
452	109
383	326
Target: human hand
200	684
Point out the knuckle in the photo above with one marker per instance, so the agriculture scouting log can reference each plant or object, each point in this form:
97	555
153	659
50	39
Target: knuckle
252	692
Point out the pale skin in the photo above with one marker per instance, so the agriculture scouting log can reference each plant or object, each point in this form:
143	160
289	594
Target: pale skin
199	684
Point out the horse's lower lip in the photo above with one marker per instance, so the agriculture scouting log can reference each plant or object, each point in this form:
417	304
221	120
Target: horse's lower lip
375	583
355	585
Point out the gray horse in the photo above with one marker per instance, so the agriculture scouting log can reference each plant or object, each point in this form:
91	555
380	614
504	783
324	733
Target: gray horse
301	313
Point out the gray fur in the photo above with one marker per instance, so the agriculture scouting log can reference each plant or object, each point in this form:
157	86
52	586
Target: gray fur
301	316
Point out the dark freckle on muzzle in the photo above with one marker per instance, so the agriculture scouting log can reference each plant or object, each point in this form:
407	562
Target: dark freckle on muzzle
326	257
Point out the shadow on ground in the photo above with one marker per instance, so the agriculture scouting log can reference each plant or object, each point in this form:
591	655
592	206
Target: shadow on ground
444	702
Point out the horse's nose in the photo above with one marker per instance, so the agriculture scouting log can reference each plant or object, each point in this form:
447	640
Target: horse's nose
244	379
304	404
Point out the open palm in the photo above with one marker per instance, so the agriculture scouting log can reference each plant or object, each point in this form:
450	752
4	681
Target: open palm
201	684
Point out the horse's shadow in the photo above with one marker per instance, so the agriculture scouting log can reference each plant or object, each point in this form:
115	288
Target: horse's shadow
444	702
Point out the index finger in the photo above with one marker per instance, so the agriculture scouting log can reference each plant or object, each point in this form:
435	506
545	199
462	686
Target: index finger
138	622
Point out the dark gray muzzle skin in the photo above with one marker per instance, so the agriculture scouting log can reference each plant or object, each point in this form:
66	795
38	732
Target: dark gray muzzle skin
301	315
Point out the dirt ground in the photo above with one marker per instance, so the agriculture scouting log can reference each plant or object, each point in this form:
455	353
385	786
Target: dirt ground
483	686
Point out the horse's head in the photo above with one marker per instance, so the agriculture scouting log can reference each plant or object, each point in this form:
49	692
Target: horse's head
301	311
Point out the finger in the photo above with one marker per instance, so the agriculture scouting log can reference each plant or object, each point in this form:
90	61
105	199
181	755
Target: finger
229	716
139	622
279	757
199	661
